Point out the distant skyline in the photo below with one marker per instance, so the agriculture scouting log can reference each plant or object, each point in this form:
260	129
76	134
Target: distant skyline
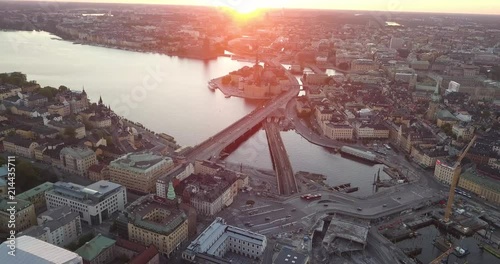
436	6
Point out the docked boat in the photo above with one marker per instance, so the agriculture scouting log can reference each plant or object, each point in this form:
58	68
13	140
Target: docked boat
461	252
227	96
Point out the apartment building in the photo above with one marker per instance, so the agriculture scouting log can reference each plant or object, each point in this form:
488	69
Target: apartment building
95	203
78	160
157	221
99	250
58	226
25	216
139	171
36	196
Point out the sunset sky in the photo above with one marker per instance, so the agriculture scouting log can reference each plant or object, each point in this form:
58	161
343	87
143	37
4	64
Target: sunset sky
444	6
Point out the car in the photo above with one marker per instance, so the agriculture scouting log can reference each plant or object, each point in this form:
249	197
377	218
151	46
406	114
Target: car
293	209
267	218
359	209
385	205
325	205
399	198
247	224
288	216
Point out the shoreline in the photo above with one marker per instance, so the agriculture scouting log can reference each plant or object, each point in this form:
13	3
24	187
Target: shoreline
62	37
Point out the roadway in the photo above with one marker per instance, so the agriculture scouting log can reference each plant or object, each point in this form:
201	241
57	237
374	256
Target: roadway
284	174
214	145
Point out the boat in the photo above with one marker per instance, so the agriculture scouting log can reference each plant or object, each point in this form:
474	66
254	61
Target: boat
461	252
350	190
227	96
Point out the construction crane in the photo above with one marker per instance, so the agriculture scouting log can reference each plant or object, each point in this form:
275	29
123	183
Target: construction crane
454	181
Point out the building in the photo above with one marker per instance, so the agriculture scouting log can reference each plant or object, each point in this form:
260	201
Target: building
98	172
100	121
363	65
219	238
148	256
371	131
176	175
427	157
338	130
463	131
78	160
397	43
95	203
59	109
139	171
36	196
483	186
444	171
206	167
59	226
64	126
99	250
20	146
77	101
25	216
32	250
154	220
209	194
290	256
35	100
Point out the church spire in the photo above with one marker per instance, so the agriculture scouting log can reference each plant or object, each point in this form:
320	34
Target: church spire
170	192
100	100
83	92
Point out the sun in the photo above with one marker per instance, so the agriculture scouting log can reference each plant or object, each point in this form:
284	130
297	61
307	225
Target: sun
246	8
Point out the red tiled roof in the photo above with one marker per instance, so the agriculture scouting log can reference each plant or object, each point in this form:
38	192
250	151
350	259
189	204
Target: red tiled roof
145	256
130	245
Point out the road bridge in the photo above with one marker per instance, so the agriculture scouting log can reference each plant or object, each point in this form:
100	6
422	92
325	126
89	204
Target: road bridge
281	163
214	145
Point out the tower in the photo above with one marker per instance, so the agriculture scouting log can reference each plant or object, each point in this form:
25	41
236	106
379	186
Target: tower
100	100
434	104
171	192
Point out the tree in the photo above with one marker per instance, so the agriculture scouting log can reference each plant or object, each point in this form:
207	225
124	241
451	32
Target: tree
49	92
63	88
70	132
447	129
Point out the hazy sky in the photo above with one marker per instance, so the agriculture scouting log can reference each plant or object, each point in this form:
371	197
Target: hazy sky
445	6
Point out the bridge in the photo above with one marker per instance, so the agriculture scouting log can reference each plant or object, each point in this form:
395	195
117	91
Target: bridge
281	163
213	146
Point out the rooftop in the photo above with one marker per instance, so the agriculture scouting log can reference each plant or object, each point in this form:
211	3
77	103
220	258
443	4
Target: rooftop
42	188
77	152
94	247
32	250
20	205
482	180
52	219
141	211
91	194
145	256
139	162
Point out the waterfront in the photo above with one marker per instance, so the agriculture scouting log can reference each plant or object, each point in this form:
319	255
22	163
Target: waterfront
167	94
430	252
305	156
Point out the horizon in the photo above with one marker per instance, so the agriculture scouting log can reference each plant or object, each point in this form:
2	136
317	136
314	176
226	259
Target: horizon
479	7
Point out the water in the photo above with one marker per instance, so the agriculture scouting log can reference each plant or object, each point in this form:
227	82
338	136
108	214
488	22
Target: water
166	94
305	156
430	252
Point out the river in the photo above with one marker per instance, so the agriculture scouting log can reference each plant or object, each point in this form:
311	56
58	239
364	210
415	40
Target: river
167	94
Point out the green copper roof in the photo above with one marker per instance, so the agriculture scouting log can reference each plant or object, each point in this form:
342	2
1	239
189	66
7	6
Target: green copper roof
34	191
171	191
94	247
